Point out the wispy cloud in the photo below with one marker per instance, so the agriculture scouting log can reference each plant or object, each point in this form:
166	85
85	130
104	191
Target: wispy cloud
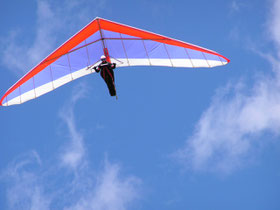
234	6
29	187
111	192
24	189
274	24
74	152
237	117
69	183
230	127
55	23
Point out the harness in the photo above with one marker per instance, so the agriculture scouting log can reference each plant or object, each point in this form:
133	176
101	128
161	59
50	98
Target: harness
105	66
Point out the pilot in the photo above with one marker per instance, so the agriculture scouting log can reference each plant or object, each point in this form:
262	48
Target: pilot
107	74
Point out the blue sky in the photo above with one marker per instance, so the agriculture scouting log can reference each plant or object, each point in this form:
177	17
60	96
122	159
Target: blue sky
176	138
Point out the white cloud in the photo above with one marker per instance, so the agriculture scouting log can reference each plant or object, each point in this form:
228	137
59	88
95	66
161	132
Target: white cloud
111	192
274	22
230	127
237	117
234	6
74	153
34	184
29	187
25	191
55	23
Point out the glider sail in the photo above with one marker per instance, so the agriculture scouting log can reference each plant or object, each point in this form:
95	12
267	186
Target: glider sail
122	44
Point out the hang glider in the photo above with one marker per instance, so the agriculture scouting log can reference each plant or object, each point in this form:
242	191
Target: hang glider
124	45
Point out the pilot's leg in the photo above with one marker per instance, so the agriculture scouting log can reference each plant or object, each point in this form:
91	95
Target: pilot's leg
109	79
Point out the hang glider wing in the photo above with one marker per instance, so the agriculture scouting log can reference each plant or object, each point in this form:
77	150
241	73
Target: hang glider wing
122	44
